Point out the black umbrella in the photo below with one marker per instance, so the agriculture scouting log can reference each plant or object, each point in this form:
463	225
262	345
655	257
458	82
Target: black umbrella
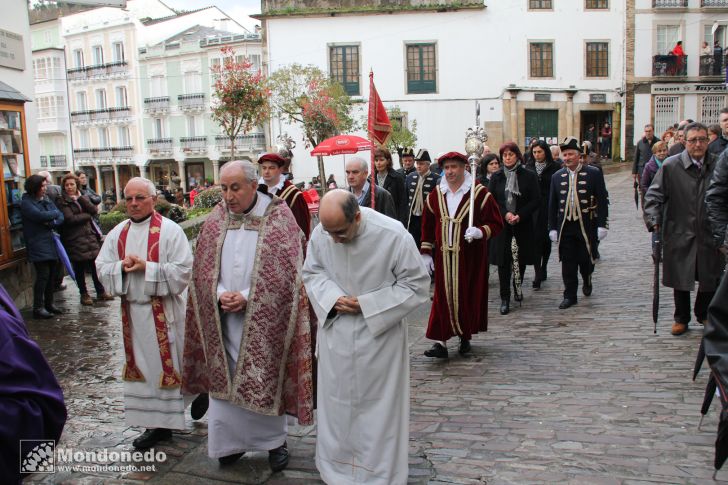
721	442
699	360
636	194
707	398
656	257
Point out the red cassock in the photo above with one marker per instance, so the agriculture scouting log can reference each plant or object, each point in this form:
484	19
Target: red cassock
460	305
295	201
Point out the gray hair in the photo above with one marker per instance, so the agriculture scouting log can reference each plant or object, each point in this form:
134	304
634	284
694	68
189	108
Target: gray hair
46	175
350	207
364	164
248	168
149	184
555	151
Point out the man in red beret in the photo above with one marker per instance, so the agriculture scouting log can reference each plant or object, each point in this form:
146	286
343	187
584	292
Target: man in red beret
458	254
271	171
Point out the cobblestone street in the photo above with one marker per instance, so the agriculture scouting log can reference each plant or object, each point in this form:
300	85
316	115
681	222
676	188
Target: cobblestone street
584	395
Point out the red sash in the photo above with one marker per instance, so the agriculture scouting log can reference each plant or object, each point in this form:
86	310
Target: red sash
170	378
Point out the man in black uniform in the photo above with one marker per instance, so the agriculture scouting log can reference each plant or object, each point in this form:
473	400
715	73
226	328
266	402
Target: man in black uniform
407	159
418	186
578	217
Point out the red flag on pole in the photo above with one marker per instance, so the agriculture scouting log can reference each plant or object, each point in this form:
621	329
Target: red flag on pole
378	126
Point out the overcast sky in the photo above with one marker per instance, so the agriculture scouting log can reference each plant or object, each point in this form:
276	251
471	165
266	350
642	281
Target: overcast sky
237	9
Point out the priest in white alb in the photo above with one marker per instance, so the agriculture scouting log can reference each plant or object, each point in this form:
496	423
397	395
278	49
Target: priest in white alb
147	260
363	275
248	340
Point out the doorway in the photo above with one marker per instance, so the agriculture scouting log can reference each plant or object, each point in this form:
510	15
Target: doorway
592	123
542	124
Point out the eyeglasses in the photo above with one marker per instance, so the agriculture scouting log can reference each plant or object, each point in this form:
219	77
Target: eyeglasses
136	198
693	141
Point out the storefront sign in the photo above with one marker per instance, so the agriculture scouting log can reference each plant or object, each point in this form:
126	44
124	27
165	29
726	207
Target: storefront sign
688	88
599	98
12	54
542	97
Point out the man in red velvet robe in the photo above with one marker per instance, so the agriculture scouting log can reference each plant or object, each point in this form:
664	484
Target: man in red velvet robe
271	175
458	254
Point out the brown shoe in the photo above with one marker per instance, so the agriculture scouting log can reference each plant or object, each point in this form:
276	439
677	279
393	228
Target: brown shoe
106	297
86	300
679	328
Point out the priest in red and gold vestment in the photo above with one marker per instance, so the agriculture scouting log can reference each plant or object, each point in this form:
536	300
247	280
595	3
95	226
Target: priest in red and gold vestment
460	304
248	332
276	183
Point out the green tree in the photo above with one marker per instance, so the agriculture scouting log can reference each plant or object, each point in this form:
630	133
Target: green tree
402	136
240	96
305	95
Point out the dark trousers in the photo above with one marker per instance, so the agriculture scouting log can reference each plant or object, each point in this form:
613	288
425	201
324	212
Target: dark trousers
682	305
575	259
81	268
415	228
504	278
45	277
542	258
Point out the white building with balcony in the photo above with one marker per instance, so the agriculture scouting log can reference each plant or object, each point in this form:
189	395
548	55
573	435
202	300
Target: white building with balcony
184	147
539	68
51	90
669	88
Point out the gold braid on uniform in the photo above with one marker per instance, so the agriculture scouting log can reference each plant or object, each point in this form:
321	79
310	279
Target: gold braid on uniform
451	256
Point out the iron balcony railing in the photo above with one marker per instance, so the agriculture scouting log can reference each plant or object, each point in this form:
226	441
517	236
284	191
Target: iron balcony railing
122	152
714	3
57	160
191	101
96	71
156	104
159	144
80	116
669	66
712	65
250	141
43	161
669	3
83	153
193	143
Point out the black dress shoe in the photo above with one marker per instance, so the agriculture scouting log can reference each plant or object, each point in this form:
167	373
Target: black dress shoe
151	437
587	287
230	459
278	458
437	350
42	313
566	303
199	406
464	346
505	307
53	310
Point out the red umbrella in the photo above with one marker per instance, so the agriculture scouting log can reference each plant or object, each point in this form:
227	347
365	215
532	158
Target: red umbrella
341	145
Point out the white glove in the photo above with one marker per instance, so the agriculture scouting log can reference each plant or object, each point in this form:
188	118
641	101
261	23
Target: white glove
429	262
601	233
473	233
553	235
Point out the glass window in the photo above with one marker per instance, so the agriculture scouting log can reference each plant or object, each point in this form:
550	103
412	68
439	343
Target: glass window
667	37
158	128
421	68
597	4
157	86
81	101
14	174
121	101
83	139
103	137
540	5
597	59
192	82
123	136
191	131
100	99
78	58
118	50
97	54
344	67
541	58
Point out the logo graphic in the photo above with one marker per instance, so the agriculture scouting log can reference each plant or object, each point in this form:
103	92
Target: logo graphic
37	456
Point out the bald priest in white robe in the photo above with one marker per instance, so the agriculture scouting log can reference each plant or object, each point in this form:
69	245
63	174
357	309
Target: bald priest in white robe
147	260
363	275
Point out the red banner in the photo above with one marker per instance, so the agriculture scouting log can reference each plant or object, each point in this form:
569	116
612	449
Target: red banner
378	124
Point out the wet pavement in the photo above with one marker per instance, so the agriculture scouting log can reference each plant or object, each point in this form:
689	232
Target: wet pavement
584	395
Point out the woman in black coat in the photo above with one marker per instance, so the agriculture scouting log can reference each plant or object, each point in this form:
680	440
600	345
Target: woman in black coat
80	237
40	217
544	167
392	181
516	191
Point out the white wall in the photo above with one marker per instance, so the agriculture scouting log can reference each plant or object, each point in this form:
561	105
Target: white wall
479	53
15	19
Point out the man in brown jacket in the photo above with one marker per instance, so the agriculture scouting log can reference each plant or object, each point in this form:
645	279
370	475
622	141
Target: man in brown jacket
675	206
